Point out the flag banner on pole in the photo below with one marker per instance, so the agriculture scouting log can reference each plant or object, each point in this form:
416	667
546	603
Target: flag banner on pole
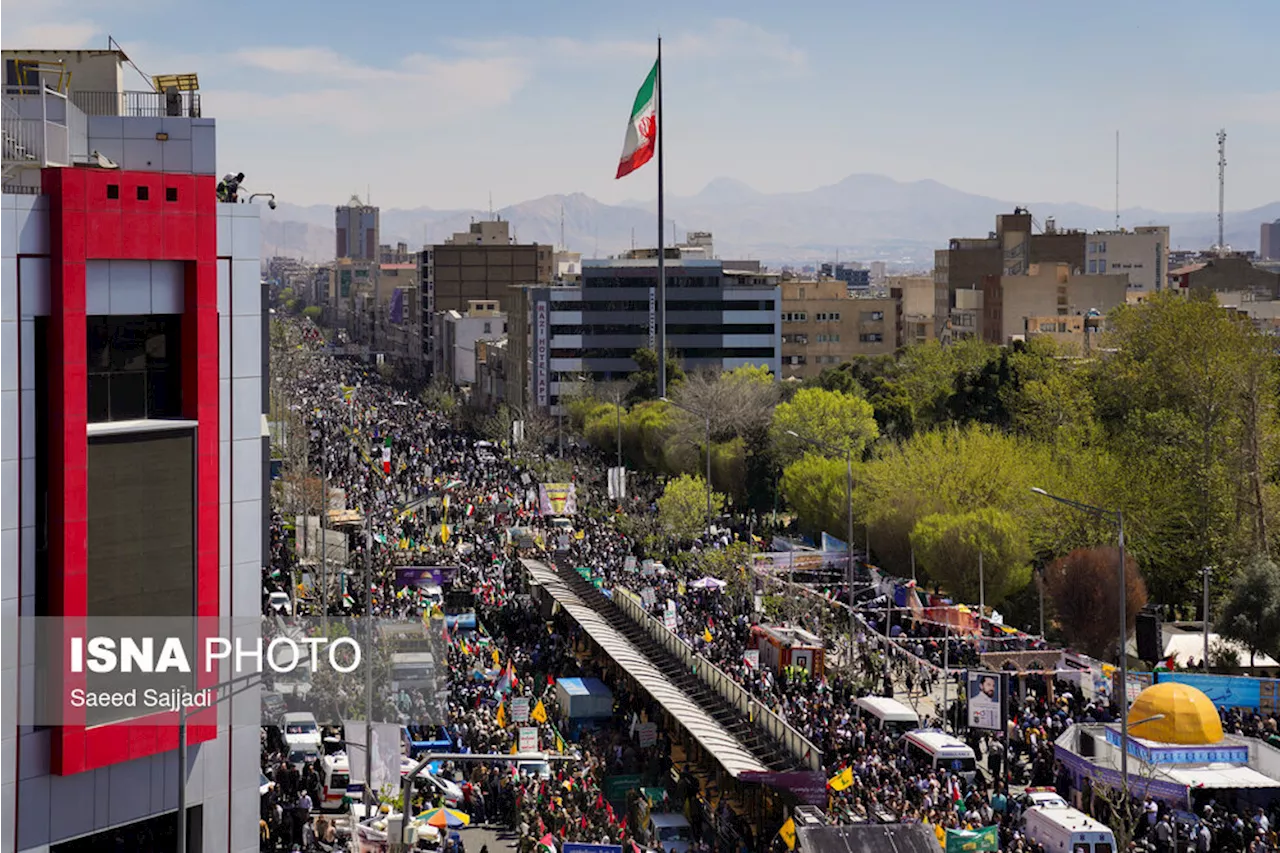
642	128
386	456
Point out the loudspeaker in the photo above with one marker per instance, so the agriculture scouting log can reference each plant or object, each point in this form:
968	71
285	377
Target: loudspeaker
1150	636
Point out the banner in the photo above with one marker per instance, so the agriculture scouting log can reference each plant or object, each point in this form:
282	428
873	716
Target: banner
520	709
973	840
542	351
809	788
617	483
528	739
557	498
831	543
647	734
424	575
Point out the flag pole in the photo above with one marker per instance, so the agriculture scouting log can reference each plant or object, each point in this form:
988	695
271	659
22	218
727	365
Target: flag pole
662	269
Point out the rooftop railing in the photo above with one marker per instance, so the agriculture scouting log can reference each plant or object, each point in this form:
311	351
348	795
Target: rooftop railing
139	104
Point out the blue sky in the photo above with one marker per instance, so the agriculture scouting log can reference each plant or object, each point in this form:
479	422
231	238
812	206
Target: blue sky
438	104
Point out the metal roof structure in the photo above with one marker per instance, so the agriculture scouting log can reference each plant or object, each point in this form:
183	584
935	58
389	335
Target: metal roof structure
713	737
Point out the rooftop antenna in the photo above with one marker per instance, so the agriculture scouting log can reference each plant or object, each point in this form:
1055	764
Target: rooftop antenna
1117	180
1222	188
490	204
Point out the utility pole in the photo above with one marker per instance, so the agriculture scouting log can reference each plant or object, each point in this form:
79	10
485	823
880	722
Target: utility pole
982	591
324	518
368	670
1222	190
1206	571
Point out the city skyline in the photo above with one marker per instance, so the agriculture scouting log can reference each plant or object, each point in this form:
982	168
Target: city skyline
441	106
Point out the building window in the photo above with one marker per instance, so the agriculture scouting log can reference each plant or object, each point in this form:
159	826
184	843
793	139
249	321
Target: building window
876	315
1093	266
488	329
836	317
113	191
144	193
134	367
170	193
834	339
871	338
801	292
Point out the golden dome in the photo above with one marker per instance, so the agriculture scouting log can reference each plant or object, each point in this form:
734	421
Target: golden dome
1187	716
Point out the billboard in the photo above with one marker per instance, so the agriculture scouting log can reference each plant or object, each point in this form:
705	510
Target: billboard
542	352
557	498
986	699
407	576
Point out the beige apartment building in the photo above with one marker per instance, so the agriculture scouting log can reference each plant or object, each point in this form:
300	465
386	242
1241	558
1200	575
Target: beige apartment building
1010	304
822	326
924	306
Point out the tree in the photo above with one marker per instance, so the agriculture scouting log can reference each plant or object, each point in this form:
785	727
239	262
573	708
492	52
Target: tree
644	382
948	547
1250	615
312	313
1085	595
815	487
682	507
840	421
1176	395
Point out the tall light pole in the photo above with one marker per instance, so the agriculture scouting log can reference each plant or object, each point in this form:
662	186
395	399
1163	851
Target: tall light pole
1116	516
707	417
848	542
1208	572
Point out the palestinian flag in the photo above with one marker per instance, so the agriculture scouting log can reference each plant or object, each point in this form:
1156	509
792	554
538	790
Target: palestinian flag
642	130
347	600
471	510
386	456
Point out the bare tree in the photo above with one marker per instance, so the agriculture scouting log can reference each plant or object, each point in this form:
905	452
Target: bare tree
1082	586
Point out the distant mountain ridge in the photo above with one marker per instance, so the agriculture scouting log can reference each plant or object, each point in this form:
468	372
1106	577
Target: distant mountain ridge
862	217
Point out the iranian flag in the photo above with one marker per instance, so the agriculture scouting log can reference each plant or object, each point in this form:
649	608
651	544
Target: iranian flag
642	129
386	456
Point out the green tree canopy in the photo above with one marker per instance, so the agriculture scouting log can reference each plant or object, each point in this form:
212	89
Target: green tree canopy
840	421
682	507
815	487
1251	612
948	546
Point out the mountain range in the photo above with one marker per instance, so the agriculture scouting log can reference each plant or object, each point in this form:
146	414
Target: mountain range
863	217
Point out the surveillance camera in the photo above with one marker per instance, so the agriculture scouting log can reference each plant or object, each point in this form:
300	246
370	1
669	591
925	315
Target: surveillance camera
272	204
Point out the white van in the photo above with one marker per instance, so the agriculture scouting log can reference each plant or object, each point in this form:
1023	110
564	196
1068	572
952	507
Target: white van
1066	830
887	714
669	832
300	731
937	749
337	774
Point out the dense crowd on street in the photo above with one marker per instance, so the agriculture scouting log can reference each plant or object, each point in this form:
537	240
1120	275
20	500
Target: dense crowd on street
450	500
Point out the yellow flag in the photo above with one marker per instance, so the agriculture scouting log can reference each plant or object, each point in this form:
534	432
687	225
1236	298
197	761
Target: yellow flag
559	744
446	503
539	713
444	533
495	659
788	833
941	834
841	780
706	635
501	718
513	748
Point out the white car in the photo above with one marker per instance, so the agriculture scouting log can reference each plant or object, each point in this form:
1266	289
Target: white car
451	792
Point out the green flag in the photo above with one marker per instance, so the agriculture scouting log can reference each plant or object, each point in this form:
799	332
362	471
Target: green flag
973	840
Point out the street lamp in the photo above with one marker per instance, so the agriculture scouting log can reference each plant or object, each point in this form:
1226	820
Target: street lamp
1116	516
848	485
244	682
270	197
707	417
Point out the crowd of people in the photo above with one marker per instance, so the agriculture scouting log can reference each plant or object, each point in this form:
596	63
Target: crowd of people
432	495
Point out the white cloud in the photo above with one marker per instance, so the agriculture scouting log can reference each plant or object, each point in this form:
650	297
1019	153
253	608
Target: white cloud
723	38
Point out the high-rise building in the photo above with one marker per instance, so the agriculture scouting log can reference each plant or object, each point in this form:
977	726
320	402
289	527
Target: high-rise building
134	451
480	264
1269	243
716	318
356	230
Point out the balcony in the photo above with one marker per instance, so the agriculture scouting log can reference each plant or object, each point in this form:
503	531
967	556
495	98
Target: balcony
38	128
178	104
